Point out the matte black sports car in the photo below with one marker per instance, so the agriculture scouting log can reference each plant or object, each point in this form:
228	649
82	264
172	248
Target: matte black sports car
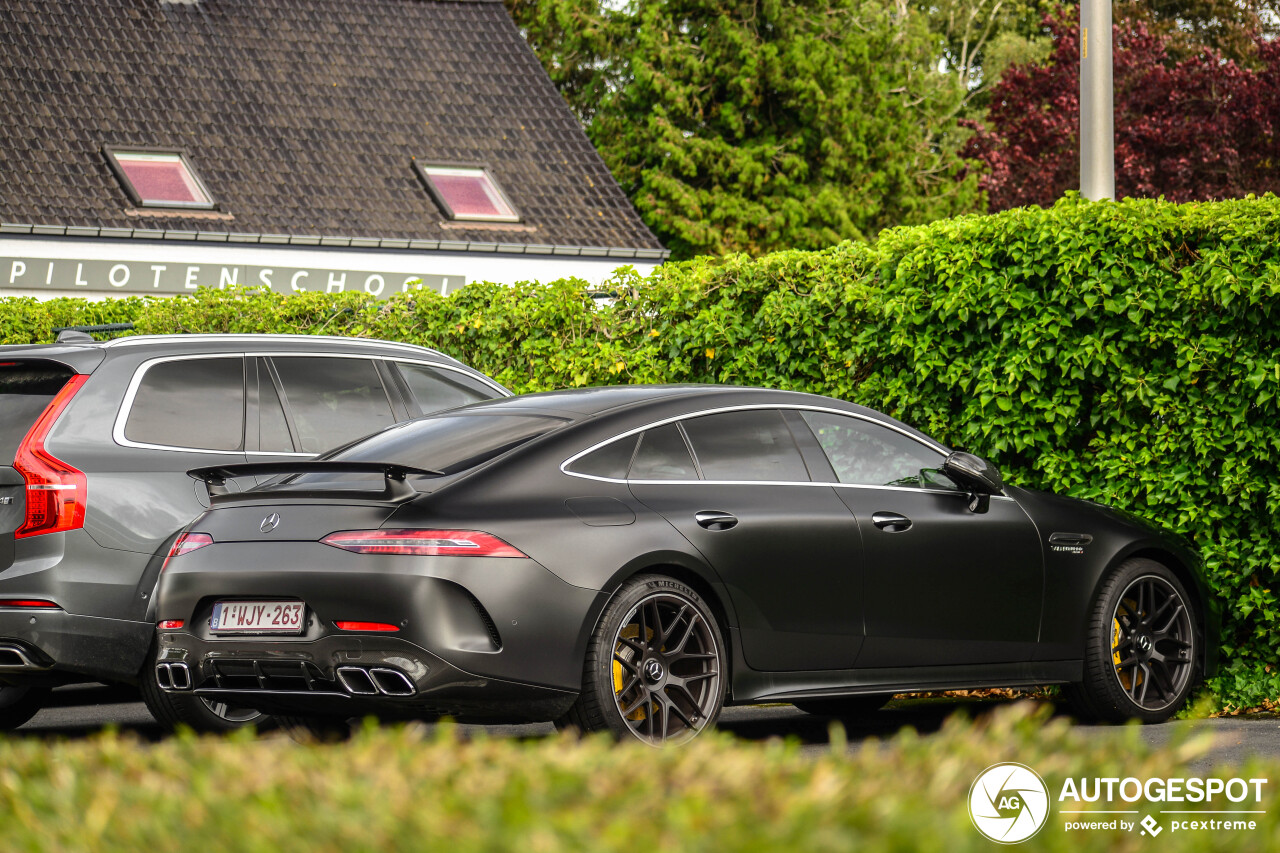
631	559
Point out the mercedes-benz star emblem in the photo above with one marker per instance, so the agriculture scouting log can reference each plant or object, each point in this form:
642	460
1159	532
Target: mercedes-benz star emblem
270	523
652	670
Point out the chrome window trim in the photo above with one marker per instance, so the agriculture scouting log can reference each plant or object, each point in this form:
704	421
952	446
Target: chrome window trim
929	444
126	405
137	340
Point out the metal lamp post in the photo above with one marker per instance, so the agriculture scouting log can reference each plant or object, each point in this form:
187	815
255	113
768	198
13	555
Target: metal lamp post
1097	134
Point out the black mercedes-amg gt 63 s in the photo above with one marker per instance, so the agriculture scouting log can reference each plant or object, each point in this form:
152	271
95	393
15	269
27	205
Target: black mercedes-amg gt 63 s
631	559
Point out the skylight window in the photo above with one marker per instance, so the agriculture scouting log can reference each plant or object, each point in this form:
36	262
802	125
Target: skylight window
159	178
467	192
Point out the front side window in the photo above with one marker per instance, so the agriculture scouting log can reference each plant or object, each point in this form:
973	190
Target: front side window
753	445
195	403
333	400
159	179
437	390
868	454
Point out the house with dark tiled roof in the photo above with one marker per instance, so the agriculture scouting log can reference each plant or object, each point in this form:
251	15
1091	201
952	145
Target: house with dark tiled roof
156	146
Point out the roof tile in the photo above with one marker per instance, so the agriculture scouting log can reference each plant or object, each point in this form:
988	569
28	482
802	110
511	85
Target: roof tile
301	116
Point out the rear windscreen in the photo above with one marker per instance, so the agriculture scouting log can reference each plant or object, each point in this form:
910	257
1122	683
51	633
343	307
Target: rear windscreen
26	389
448	444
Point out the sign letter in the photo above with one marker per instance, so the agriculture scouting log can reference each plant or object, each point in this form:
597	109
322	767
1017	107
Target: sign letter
18	268
158	268
368	284
337	283
118	281
293	282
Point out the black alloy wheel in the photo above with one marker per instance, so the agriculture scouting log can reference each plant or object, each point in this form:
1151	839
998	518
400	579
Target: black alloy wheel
186	709
1141	653
20	703
655	667
233	714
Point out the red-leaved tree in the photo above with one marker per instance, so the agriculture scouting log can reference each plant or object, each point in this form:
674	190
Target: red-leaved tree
1204	128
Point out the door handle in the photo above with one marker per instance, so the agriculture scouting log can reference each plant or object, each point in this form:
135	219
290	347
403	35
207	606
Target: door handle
891	522
1070	539
714	519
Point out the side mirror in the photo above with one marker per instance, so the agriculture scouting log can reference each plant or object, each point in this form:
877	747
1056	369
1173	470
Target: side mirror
977	475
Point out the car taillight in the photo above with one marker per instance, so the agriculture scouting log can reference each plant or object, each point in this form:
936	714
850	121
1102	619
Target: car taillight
28	602
422	543
56	492
185	544
365	626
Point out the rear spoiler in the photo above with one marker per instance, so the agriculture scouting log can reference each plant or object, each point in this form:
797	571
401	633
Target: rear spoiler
395	476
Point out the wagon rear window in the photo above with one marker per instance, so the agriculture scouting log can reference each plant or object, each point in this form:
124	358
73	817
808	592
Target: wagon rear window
26	388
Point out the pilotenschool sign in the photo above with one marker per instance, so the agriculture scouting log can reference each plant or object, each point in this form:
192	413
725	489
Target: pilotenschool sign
128	277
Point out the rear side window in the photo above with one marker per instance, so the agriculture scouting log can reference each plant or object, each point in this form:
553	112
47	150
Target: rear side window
193	402
436	390
333	400
610	461
754	445
663	455
26	389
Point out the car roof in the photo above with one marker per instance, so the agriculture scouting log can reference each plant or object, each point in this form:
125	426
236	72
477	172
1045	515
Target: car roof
85	355
577	403
582	404
201	341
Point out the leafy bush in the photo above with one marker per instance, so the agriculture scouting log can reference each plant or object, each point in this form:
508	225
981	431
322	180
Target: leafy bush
398	789
1125	352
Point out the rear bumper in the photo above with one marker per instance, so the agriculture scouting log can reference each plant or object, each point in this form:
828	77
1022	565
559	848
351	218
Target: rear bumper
66	647
504	620
345	675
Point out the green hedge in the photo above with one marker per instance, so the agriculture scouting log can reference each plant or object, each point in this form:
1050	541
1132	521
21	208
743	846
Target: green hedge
398	789
1123	352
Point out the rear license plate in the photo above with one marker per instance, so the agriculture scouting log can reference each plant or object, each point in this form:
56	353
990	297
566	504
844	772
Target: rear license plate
257	617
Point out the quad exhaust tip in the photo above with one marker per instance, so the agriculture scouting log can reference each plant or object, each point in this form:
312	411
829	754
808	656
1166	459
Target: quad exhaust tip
173	676
373	681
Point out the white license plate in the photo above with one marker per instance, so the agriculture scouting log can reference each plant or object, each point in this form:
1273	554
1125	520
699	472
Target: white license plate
257	617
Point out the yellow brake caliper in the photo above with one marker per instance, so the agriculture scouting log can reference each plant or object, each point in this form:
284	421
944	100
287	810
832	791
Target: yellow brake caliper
1117	635
630	633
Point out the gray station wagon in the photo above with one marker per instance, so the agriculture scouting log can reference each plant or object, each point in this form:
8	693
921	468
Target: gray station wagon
95	442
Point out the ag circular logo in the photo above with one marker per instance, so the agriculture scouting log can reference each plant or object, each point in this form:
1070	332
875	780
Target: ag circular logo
1009	803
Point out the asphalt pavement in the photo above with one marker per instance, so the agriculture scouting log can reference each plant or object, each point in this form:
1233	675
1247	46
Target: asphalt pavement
84	709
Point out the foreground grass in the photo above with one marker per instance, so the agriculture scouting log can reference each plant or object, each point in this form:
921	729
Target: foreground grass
395	789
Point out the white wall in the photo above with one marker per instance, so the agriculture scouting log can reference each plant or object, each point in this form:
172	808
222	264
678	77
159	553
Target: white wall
81	267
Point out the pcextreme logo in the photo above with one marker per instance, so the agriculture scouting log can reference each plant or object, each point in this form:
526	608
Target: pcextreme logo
1009	802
